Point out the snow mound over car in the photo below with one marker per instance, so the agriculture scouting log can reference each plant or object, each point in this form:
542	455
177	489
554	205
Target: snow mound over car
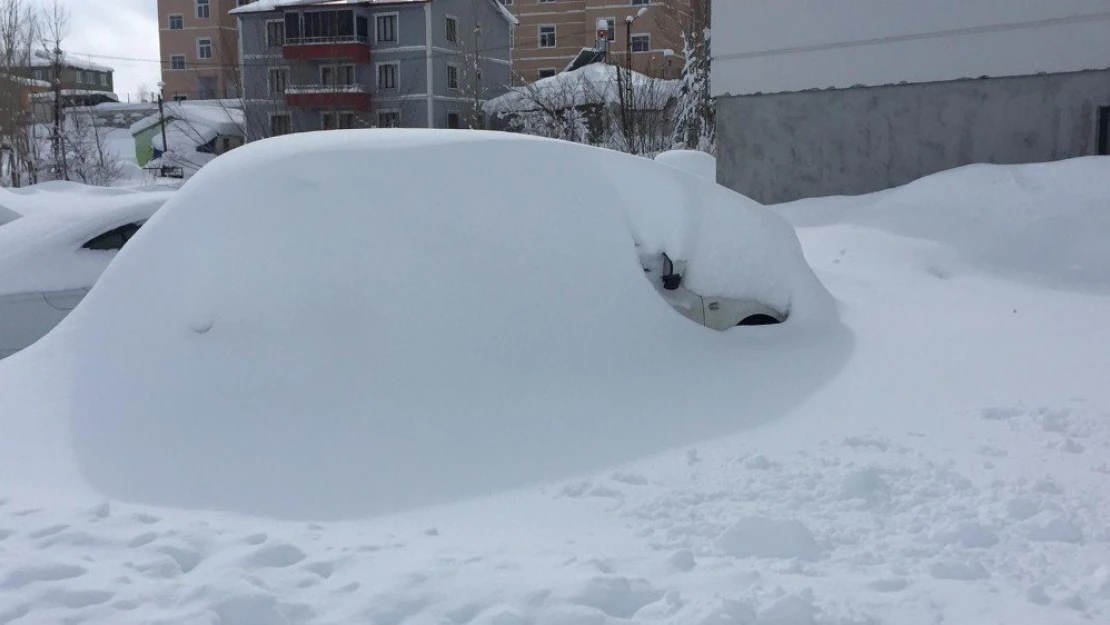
694	161
1044	224
339	324
42	250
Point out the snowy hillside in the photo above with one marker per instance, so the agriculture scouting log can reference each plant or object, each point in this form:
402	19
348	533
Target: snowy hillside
944	458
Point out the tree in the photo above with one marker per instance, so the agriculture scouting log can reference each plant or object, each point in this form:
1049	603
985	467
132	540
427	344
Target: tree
19	32
90	161
56	29
695	123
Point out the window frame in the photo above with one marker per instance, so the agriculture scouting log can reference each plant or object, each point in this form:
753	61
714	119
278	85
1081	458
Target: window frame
396	17
455	67
641	37
396	65
395	112
289	124
173	64
180	18
336	69
207	4
448	21
540	36
201	46
270	71
280	34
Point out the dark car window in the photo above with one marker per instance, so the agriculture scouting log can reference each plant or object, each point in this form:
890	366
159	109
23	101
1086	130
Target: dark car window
113	239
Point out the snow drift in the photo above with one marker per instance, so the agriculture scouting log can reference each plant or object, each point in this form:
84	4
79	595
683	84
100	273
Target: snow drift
1044	224
694	161
337	324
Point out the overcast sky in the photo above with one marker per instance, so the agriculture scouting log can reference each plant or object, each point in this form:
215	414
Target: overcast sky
118	28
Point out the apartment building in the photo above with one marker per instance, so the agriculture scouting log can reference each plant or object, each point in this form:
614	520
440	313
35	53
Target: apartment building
552	33
199	46
310	65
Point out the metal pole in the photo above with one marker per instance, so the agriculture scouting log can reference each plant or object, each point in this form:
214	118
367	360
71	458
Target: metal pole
165	145
630	120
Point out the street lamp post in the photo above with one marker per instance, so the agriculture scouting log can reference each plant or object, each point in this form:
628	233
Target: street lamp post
626	109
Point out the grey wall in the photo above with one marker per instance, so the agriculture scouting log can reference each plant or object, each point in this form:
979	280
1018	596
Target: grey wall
776	148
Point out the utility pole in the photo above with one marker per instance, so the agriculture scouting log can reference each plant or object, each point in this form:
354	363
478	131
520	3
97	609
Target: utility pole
476	117
162	122
59	142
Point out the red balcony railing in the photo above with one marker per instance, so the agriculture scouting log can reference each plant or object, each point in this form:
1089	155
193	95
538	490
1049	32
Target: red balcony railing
353	47
339	97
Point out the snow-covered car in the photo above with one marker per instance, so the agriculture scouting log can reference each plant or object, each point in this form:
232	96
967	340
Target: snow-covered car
718	313
51	256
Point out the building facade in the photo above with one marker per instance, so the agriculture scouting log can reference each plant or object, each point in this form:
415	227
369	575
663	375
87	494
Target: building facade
373	63
552	33
865	95
199	48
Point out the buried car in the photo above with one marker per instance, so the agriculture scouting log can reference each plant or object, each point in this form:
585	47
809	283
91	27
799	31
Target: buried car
52	256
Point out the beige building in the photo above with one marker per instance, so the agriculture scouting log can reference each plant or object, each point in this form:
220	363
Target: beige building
552	33
199	44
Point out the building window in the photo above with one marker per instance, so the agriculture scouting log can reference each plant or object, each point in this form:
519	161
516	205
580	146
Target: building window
387	75
611	28
452	77
452	30
342	120
639	2
386	27
275	33
547	36
277	80
177	21
389	119
641	43
204	9
546	1
177	61
453	120
280	124
204	48
546	72
180	97
337	75
243	3
506	2
102	80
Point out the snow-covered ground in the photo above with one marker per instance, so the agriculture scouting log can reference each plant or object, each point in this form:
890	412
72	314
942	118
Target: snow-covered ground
952	467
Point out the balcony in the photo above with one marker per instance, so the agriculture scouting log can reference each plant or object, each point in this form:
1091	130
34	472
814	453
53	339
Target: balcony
355	48
340	97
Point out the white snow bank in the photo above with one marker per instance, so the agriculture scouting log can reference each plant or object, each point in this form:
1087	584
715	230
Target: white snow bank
1045	224
278	341
593	84
42	250
694	161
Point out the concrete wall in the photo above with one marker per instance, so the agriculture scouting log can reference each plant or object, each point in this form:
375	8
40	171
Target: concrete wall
776	148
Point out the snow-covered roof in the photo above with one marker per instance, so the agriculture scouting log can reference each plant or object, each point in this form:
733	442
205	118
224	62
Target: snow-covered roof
28	82
42	249
262	6
49	95
42	58
593	84
204	118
